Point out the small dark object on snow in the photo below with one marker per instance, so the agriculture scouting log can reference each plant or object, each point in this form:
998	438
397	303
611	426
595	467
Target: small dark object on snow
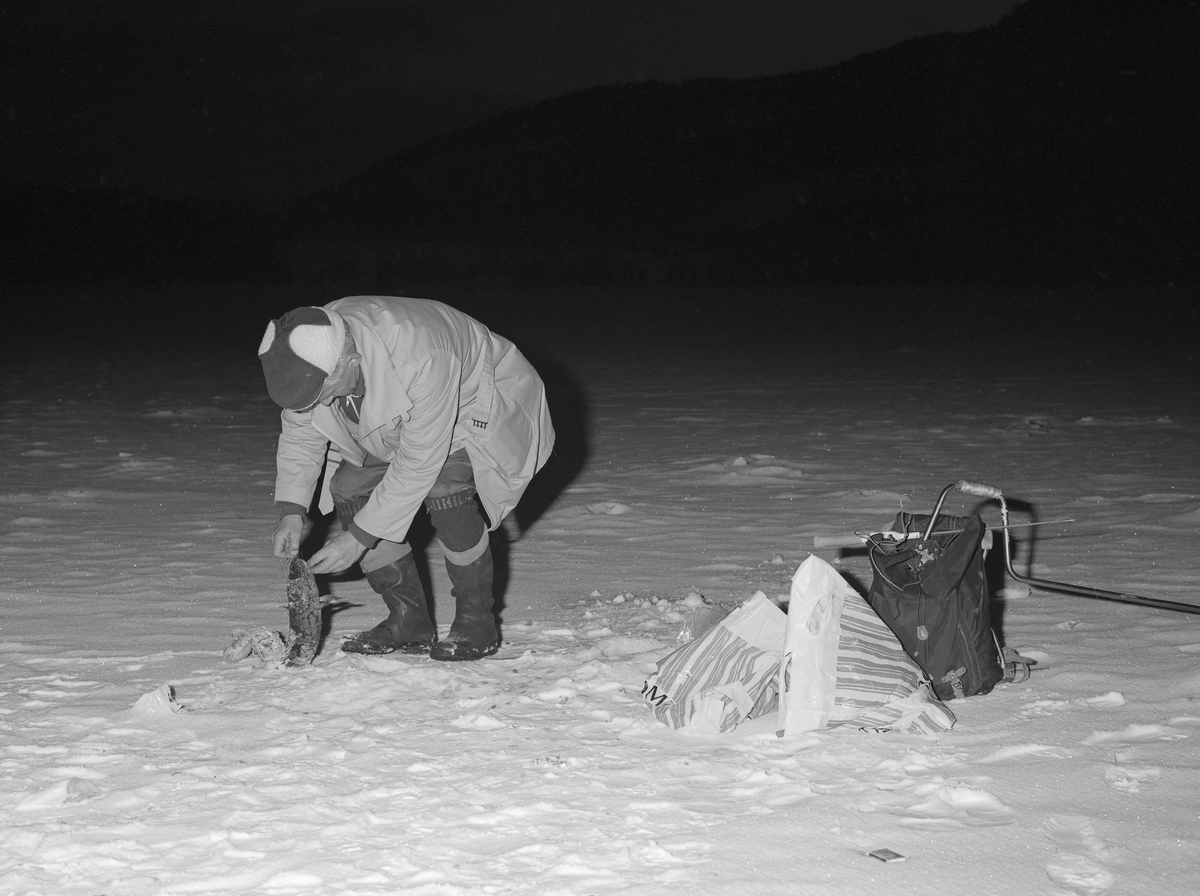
304	614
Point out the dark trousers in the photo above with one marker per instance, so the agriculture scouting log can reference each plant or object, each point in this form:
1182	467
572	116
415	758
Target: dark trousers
351	485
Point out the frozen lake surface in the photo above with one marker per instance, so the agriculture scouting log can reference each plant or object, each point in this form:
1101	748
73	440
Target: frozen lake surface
136	509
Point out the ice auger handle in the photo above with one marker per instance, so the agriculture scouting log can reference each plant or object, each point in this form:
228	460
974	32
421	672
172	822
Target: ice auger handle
978	489
839	541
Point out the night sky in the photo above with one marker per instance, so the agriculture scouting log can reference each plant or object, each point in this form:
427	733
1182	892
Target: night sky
269	100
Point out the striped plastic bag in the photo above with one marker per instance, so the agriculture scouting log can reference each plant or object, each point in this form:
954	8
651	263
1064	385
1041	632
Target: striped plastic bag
724	676
842	665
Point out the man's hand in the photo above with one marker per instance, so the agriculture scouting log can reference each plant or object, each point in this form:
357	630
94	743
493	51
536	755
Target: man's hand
338	554
287	536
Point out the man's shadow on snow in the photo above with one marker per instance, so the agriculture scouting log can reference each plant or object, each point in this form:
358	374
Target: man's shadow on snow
569	412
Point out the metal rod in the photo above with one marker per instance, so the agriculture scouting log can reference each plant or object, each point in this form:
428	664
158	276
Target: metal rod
1085	591
972	488
854	538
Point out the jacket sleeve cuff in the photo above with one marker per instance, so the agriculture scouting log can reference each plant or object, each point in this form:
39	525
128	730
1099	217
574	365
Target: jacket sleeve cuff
365	538
287	508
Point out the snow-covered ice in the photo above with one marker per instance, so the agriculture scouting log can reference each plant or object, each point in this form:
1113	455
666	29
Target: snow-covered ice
136	505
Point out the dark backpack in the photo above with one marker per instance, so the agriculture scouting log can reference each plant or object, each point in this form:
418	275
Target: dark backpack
933	594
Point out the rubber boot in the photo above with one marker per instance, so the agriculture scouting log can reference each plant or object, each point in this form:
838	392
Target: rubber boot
473	634
408	628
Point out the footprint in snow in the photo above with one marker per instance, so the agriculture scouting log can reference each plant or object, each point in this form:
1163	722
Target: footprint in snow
608	508
1131	779
483	721
1023	753
561	694
950	804
1081	860
47	798
917	765
942	806
1132	734
1111	700
1042	708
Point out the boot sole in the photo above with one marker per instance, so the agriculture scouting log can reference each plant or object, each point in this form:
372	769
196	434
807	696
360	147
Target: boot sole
414	649
472	654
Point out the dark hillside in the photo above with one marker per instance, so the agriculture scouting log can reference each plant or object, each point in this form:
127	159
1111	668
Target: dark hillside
1054	146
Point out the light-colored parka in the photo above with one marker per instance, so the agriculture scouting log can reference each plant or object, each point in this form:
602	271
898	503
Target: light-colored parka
436	380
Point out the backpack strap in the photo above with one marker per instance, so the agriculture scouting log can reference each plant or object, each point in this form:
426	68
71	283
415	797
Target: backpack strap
954	678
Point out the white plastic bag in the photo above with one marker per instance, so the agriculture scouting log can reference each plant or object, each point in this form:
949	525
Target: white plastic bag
842	665
724	676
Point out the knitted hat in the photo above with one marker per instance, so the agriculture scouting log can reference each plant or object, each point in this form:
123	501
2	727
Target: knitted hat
298	352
